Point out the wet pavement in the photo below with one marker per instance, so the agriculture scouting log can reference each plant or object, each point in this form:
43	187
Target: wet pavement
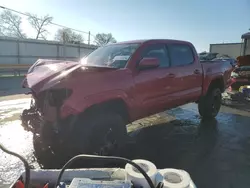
215	153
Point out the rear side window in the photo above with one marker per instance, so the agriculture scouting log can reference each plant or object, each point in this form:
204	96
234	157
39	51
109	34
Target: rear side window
180	54
157	51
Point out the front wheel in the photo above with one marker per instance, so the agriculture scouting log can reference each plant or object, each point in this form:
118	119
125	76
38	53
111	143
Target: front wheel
100	133
209	105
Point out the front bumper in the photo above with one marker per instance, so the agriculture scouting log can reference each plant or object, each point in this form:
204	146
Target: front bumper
50	132
31	118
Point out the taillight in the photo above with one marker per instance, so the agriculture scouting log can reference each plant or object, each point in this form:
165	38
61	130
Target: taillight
57	96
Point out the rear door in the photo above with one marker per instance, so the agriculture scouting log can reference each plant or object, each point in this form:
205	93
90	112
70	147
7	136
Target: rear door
188	73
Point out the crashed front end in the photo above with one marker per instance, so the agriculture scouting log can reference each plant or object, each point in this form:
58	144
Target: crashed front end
44	109
46	83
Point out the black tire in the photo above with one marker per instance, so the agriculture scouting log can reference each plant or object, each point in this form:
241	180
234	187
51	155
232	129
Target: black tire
99	133
47	156
209	105
41	151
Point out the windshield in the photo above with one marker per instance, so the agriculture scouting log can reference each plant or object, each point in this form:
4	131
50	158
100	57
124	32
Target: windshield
116	55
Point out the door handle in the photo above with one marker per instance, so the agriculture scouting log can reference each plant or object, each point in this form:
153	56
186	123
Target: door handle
196	71
171	75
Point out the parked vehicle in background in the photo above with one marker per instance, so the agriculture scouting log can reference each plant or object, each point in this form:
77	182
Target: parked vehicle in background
86	106
240	77
241	74
207	56
232	61
217	57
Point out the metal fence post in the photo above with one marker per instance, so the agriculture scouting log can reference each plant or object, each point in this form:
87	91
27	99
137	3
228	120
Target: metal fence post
79	51
89	38
57	51
64	46
18	56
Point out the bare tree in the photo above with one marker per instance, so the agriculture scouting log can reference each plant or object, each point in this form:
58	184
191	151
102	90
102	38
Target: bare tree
10	25
40	24
103	39
1	32
68	36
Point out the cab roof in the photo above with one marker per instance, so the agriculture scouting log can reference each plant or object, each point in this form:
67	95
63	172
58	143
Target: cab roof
152	40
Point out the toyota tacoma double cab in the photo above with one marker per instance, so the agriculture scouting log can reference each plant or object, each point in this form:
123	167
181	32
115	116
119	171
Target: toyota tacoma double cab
86	105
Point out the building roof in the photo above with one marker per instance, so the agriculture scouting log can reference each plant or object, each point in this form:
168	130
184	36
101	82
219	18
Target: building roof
246	36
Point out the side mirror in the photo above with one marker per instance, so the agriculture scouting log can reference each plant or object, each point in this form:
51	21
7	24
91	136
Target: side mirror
147	63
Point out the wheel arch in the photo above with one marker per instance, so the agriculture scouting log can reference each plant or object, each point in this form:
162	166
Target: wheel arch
117	105
217	82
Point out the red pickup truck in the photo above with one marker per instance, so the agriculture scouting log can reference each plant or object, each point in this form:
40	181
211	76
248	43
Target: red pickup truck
86	105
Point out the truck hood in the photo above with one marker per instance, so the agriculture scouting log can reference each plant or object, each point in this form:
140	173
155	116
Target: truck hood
45	74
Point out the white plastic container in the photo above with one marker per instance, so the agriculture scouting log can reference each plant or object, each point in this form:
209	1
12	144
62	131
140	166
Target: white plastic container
174	178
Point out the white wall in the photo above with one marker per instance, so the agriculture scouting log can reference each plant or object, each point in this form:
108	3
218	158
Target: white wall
231	49
248	47
27	51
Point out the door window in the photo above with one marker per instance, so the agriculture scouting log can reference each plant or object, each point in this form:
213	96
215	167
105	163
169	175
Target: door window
157	51
180	54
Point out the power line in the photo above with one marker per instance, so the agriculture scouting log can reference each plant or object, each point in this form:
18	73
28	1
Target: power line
50	22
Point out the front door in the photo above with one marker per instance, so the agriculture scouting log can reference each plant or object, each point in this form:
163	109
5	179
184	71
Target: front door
153	85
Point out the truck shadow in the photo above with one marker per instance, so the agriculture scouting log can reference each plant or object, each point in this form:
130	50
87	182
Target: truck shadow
182	142
176	144
169	144
206	149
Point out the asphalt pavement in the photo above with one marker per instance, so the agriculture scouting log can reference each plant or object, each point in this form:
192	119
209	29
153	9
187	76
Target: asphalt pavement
215	153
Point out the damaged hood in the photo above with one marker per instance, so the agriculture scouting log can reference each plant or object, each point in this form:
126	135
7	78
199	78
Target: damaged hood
43	69
44	74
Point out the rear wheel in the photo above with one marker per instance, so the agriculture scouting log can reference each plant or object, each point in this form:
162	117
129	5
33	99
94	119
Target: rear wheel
209	105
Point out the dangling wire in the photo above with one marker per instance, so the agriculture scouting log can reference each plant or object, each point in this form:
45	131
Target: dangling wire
26	165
